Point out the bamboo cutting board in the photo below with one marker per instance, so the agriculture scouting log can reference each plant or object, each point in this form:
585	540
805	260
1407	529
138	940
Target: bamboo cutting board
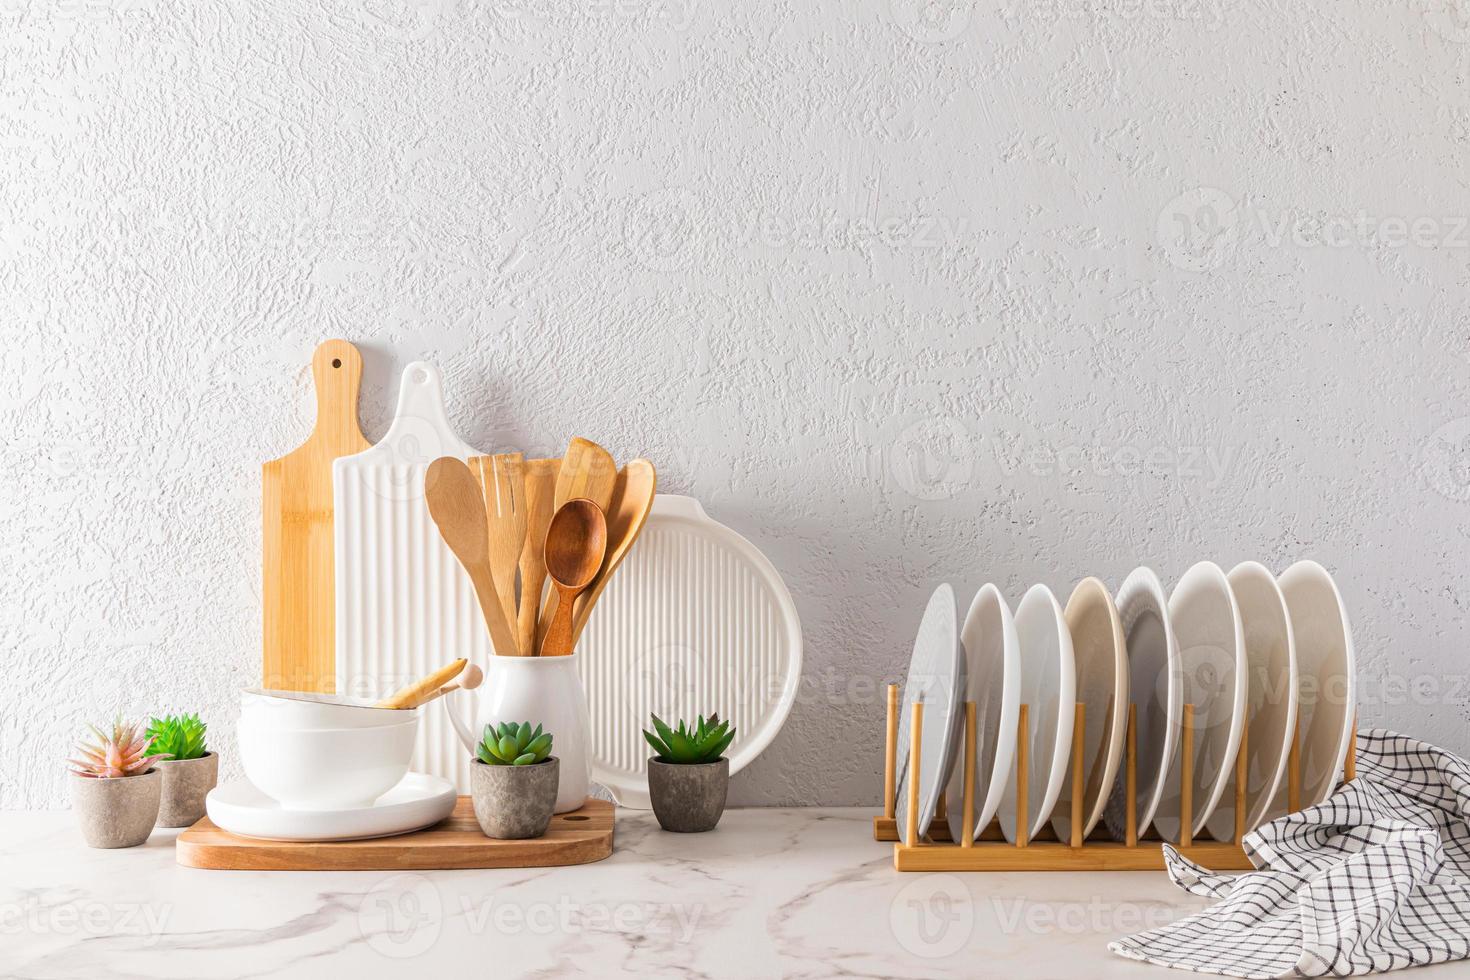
579	837
297	546
405	605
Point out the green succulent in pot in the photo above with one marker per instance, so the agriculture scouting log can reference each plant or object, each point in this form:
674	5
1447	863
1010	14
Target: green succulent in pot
687	745
177	736
514	782
689	778
189	769
513	745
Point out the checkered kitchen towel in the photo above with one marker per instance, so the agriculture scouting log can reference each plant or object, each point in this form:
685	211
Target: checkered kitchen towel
1376	878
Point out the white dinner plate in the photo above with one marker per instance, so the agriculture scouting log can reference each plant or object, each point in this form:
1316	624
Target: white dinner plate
418	801
1326	676
1207	629
993	682
1048	687
1101	654
1155	689
936	676
1270	708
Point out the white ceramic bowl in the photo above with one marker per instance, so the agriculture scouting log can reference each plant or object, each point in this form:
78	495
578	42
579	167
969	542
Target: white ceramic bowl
273	710
325	768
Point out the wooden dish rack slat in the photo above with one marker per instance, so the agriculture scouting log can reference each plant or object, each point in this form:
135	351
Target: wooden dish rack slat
991	852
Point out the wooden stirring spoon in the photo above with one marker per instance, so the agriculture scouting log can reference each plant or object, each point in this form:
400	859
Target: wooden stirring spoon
587	471
540	479
632	499
575	545
459	512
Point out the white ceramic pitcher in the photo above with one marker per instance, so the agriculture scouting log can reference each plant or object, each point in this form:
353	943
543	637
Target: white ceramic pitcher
545	691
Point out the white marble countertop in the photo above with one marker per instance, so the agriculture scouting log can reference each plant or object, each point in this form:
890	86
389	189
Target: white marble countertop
788	893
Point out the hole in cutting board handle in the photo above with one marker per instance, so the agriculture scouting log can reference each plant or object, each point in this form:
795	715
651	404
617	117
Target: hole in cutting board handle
575	817
336	362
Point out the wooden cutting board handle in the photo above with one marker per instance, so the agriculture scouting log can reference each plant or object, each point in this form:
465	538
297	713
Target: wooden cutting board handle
298	592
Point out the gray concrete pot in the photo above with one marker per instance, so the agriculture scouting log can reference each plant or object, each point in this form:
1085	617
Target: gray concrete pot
688	799
117	812
514	802
185	784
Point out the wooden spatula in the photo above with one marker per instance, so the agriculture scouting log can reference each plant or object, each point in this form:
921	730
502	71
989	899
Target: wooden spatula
503	485
540	477
632	499
298	592
587	472
458	510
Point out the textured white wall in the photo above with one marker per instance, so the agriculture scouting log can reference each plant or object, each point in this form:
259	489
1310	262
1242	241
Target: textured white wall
905	292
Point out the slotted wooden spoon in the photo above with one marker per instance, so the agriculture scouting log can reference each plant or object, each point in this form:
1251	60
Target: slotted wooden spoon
503	486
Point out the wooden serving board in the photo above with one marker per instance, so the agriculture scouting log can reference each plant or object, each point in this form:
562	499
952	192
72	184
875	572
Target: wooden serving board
298	608
580	837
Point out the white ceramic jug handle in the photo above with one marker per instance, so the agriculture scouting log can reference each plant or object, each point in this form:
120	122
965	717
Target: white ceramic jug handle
460	728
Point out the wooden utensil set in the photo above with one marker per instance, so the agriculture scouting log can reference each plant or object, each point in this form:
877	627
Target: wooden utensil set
514	523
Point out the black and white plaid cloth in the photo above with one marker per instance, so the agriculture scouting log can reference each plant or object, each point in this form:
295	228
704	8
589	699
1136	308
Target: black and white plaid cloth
1376	878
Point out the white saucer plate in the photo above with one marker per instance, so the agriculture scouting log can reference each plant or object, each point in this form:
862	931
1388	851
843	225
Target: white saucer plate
418	801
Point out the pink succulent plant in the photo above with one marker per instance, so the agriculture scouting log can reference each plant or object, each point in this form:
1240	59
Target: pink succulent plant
122	753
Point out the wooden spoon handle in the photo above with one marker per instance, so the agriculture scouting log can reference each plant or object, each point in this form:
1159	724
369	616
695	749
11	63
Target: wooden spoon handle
558	642
410	696
502	637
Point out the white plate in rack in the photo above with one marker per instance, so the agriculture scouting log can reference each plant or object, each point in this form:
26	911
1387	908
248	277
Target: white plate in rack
1102	685
696	621
1156	691
936	677
1270	708
1326	673
1049	689
993	682
1207	629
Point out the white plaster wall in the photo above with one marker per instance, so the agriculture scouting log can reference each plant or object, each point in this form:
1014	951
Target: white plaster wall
906	293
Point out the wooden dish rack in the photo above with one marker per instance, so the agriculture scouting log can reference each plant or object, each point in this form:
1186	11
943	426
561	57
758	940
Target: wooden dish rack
991	852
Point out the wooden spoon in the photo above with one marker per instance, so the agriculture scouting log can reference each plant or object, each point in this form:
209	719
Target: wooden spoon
587	471
459	512
632	499
419	690
503	485
540	479
472	678
575	545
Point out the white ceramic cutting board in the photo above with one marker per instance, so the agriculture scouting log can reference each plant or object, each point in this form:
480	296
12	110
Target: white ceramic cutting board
405	607
695	621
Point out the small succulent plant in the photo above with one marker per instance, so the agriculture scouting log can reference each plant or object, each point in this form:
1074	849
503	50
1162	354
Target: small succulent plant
513	745
690	745
176	736
122	752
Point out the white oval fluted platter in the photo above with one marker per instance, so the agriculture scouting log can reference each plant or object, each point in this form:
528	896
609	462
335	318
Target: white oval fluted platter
697	621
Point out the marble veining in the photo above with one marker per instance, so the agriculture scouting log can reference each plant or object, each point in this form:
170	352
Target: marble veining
800	893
